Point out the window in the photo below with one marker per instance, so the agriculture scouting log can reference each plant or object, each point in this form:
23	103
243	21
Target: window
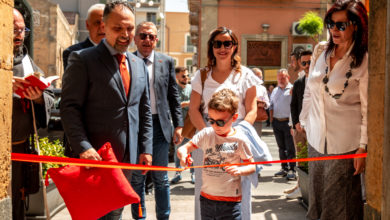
188	63
151	16
175	61
189	47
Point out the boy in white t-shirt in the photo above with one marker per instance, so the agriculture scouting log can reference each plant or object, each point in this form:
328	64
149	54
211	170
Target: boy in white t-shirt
220	196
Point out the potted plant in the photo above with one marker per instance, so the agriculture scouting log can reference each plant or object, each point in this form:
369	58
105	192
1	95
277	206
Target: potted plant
35	203
312	25
303	173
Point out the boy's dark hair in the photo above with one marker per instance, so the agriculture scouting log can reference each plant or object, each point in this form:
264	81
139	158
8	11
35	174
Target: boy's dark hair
305	53
112	5
180	69
224	100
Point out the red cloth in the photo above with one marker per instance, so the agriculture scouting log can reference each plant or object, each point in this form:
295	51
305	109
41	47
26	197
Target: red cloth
94	192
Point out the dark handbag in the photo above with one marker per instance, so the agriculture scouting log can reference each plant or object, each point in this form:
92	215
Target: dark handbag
261	114
189	129
31	178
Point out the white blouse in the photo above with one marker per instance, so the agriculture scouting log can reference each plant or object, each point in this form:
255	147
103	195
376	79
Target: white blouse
237	82
341	123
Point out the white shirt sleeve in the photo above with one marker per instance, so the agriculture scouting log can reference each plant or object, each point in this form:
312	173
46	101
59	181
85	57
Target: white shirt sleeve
196	83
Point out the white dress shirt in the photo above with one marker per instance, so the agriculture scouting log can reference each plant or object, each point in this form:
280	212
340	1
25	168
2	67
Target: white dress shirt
340	123
150	67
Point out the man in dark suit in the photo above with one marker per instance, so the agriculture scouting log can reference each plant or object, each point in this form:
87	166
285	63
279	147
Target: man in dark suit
165	105
297	96
105	96
94	23
299	134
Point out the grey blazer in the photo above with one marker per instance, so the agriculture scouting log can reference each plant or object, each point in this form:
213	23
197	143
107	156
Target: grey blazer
167	94
95	109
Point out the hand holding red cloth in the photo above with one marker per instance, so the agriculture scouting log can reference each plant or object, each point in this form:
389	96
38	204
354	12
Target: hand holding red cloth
94	192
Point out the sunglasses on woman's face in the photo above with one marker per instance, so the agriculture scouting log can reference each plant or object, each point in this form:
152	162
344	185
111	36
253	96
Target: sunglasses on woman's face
219	123
218	44
305	62
341	26
144	35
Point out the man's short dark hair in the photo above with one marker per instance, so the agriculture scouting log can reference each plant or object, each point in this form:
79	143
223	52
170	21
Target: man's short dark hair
111	6
295	54
180	69
305	53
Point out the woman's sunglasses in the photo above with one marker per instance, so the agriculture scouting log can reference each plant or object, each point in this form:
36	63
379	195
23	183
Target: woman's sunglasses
219	123
305	62
143	36
218	44
341	26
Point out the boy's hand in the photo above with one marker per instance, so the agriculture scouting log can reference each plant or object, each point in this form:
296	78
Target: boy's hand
233	170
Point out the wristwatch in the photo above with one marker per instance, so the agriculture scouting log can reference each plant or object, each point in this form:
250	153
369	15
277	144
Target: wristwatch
363	146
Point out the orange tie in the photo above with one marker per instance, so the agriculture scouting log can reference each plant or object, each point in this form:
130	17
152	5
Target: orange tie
124	72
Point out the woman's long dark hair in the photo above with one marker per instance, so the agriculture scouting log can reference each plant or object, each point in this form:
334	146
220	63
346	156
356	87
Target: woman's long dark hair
357	13
235	59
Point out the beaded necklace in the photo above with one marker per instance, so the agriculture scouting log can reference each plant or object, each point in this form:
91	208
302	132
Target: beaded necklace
348	75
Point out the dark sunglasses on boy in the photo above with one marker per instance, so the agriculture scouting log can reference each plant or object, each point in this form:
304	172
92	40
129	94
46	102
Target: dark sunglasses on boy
184	76
341	26
144	35
218	44
305	62
219	123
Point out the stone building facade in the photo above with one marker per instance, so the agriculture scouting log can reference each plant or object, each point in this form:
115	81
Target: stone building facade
52	35
178	39
6	59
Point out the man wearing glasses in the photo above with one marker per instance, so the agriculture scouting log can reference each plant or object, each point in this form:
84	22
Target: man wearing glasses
299	134
22	117
165	105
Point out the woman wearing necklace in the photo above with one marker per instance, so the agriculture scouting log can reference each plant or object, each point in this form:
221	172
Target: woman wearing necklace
334	113
223	70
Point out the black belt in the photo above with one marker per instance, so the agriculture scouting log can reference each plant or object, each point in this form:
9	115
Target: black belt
282	119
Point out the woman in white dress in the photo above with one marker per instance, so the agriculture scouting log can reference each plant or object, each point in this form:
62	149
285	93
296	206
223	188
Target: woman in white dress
224	70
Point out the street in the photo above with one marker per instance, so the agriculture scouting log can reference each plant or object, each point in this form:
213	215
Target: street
268	199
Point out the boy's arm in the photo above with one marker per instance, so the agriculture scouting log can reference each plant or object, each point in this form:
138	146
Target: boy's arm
183	152
241	170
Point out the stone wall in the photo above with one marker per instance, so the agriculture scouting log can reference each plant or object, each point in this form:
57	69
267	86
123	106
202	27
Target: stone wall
6	34
376	88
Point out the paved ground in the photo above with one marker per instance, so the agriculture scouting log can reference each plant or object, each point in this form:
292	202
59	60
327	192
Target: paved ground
268	199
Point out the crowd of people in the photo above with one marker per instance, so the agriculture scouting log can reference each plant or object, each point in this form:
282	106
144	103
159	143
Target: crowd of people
137	101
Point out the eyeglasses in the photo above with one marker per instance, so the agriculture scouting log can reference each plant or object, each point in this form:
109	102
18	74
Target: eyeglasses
341	26
26	31
219	123
184	76
227	44
306	62
144	35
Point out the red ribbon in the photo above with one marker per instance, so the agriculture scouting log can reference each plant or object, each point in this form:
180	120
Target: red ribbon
105	164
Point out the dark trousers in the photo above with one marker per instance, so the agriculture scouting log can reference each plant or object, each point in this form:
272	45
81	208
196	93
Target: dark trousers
219	210
18	209
160	178
285	142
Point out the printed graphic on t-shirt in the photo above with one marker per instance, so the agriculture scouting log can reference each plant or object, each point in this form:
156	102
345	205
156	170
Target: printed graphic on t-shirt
219	154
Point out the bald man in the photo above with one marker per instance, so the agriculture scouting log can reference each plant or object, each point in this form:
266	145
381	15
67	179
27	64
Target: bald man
94	23
22	118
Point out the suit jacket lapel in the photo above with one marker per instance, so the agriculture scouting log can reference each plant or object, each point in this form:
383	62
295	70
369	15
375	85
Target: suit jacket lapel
158	70
108	61
133	74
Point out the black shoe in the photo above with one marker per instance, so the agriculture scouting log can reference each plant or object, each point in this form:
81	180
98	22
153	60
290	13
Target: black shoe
281	173
291	175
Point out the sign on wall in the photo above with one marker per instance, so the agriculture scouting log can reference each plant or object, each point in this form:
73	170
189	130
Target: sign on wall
264	53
